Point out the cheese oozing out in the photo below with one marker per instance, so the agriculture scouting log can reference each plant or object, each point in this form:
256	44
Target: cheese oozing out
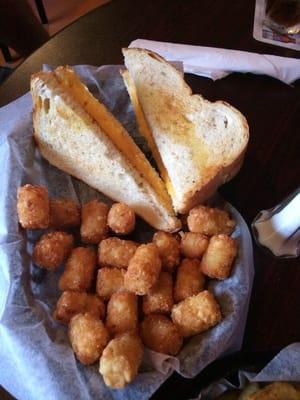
114	130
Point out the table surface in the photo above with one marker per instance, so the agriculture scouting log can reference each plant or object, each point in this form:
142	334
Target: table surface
271	169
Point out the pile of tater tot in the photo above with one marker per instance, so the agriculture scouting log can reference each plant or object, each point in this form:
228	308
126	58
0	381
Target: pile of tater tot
119	295
270	391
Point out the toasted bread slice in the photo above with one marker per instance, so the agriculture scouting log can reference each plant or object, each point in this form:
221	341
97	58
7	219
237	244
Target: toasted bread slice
77	134
200	144
145	128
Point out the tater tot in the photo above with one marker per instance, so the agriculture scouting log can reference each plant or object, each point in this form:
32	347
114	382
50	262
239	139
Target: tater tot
122	313
160	297
168	249
79	270
33	207
115	252
143	269
160	334
71	303
88	336
94	226
218	259
189	279
210	221
95	306
196	314
121	359
109	281
52	249
121	219
276	391
193	245
64	213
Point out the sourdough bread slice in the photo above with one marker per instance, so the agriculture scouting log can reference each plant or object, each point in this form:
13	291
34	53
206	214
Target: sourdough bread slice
70	138
201	144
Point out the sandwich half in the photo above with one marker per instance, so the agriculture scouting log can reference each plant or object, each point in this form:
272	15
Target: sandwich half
77	134
198	145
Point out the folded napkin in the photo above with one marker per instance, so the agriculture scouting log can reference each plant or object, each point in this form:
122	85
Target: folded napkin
217	63
278	228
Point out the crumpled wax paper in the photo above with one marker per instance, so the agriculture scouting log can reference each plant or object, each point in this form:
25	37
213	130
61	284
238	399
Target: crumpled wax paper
36	360
285	367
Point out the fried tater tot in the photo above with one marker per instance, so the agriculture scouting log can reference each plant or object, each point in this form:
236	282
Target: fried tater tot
276	391
71	303
121	219
249	389
94	226
189	279
160	297
52	249
210	221
121	359
196	314
88	336
143	269
168	248
193	245
79	270
122	313
218	259
64	213
160	334
109	281
95	306
33	207
115	252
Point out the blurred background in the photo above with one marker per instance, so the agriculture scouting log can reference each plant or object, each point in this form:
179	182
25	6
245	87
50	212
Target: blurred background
26	24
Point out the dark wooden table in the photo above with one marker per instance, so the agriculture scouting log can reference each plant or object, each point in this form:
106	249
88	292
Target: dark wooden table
272	166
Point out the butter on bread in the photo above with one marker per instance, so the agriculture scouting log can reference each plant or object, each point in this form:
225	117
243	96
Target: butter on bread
200	144
76	133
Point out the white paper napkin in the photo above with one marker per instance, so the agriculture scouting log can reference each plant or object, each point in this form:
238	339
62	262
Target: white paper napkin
278	228
217	63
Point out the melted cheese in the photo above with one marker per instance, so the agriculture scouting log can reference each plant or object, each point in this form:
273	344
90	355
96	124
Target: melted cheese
114	130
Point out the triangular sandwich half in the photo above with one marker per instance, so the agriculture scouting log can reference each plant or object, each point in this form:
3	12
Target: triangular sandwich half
76	133
198	145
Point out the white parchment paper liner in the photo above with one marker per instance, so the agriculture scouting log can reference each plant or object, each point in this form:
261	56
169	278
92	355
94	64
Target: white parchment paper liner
36	361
